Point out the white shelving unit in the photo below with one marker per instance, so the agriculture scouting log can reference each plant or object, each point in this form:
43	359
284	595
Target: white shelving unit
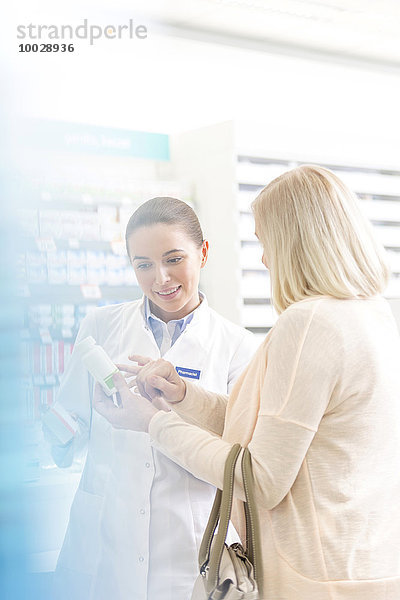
228	164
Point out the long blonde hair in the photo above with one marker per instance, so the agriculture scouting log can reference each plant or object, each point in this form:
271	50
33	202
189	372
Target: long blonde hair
316	239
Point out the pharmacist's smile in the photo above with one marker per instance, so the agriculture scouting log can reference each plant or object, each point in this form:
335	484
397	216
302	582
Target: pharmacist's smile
168	293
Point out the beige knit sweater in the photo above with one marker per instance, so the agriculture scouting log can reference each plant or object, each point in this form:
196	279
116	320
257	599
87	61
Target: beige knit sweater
319	407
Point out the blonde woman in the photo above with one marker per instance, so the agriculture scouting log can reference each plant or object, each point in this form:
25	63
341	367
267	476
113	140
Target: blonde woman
318	406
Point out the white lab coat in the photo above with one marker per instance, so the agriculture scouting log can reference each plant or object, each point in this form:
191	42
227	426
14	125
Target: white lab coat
137	518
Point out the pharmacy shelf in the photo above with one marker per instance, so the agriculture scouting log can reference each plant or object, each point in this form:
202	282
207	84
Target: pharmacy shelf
255	172
255	284
379	194
388	235
258	315
74	294
72	223
381	211
393	289
95	245
394	260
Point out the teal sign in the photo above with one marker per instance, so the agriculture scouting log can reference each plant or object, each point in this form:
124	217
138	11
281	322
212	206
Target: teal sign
89	139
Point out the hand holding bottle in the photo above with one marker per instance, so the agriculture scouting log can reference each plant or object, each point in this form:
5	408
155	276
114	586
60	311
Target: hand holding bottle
133	411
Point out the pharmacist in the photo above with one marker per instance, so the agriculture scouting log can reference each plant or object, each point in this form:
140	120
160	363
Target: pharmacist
137	519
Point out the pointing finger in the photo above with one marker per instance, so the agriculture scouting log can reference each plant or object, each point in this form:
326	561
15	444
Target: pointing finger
128	368
141	360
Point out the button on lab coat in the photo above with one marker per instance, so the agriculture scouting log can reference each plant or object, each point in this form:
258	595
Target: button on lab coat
137	518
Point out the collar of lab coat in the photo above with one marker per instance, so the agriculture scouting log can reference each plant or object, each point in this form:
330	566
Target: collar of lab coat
197	312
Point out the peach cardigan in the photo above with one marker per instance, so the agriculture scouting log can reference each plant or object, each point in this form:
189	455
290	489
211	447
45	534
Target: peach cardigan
319	407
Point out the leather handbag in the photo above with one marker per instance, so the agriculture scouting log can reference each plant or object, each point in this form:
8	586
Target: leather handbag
230	573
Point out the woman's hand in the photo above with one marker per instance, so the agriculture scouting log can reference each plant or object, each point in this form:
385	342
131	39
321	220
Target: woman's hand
132	370
134	412
158	381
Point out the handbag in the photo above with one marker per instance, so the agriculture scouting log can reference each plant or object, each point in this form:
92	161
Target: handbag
230	573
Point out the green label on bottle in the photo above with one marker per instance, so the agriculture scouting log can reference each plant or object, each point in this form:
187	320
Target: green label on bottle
109	380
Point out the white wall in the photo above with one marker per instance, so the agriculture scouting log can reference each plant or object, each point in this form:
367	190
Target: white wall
206	158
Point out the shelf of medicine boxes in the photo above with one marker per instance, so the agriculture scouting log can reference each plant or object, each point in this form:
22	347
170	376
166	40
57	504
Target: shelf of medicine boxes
75	253
379	193
75	271
73	259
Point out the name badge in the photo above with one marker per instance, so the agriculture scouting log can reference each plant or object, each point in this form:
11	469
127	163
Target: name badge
189	373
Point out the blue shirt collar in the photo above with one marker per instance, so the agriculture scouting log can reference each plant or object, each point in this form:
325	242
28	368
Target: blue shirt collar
150	318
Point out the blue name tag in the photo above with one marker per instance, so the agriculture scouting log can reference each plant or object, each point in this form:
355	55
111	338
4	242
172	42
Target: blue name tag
190	373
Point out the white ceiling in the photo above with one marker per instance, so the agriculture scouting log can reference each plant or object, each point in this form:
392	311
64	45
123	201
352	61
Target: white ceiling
367	31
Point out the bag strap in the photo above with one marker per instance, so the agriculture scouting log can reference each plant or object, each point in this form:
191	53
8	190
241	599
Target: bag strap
208	536
210	559
253	535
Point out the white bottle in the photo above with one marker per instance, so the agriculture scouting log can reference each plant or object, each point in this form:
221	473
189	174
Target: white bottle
98	363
